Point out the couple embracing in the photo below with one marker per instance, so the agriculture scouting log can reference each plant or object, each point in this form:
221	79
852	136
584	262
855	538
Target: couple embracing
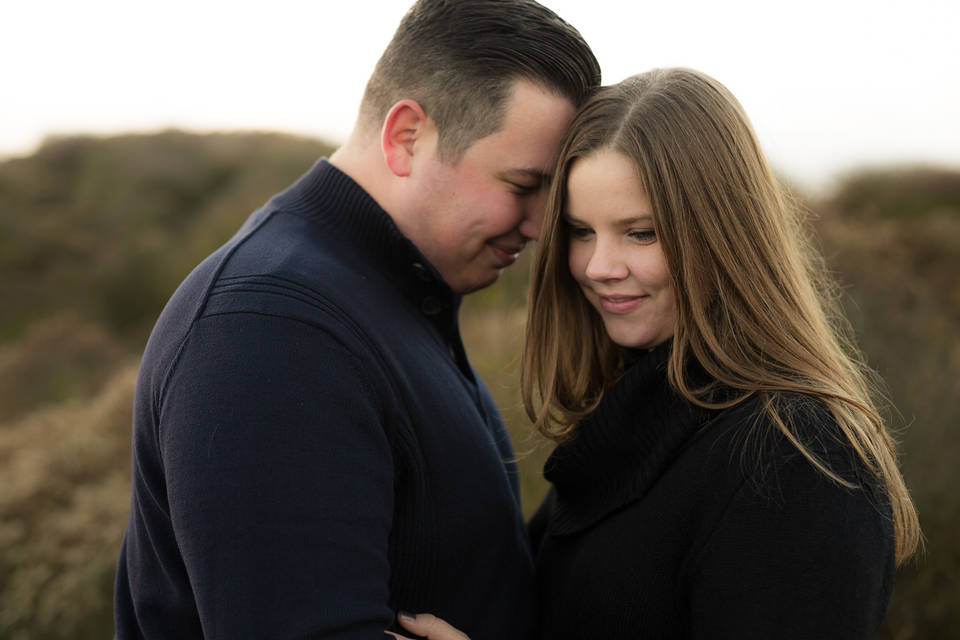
314	456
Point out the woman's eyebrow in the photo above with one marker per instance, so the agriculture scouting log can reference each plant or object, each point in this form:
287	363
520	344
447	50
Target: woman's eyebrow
622	222
644	218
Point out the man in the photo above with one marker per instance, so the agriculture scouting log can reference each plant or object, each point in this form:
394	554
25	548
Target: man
312	451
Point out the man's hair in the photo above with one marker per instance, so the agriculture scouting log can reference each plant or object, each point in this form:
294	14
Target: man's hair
459	59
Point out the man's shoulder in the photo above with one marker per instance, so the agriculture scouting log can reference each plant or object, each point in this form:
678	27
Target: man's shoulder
286	265
266	270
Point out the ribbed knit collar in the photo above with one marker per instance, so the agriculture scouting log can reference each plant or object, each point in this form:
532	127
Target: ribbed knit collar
330	197
623	447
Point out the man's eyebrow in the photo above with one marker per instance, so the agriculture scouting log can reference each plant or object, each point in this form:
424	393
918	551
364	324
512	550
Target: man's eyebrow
529	174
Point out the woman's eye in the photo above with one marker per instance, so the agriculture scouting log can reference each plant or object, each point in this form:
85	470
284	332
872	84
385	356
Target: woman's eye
579	232
643	235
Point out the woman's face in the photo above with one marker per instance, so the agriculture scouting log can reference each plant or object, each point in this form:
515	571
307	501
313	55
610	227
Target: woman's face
615	256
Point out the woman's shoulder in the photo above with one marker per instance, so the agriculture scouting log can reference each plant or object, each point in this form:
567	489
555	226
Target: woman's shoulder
769	439
783	544
805	478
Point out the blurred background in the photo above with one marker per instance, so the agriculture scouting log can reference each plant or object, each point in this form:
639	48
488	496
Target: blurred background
135	138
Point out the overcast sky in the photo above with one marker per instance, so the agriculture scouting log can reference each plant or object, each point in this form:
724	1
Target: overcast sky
829	84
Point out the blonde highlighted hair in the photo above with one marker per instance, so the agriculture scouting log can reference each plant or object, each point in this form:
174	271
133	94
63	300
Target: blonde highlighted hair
755	309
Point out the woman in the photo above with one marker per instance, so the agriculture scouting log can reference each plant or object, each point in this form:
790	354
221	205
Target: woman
721	470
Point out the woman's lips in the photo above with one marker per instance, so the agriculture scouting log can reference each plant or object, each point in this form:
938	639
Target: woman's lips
620	305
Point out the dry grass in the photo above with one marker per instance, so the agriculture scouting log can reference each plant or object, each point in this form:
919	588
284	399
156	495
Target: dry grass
58	358
903	299
64	500
90	261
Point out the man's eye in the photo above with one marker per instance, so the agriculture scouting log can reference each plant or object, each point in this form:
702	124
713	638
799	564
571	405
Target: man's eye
524	188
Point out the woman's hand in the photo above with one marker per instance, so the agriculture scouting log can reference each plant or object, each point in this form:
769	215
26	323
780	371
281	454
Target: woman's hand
428	626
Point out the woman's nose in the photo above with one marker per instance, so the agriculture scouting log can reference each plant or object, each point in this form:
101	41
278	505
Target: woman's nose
606	263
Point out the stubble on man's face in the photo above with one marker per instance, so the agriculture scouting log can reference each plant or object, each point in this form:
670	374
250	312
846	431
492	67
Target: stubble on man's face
477	214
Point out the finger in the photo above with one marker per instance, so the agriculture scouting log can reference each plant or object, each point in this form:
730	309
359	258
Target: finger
397	635
430	626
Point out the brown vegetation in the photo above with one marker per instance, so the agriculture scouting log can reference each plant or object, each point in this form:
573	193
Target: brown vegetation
96	233
896	248
65	478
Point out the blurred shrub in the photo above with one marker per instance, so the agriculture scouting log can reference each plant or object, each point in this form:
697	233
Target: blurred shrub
899	268
107	227
58	358
96	233
897	192
64	500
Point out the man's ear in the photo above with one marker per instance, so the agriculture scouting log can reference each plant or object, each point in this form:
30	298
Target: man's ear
406	122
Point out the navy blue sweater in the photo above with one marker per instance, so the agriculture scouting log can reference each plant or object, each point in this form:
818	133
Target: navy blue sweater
312	451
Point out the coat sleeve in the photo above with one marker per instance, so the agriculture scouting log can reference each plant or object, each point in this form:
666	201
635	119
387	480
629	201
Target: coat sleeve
795	555
280	481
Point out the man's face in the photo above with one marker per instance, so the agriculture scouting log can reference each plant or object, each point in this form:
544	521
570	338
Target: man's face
475	216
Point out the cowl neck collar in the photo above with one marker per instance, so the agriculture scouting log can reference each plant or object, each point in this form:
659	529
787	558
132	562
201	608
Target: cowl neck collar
623	447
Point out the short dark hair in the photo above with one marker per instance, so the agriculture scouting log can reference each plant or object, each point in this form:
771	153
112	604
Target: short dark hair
459	59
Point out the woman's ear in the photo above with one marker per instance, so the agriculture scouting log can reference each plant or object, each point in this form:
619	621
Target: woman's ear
405	124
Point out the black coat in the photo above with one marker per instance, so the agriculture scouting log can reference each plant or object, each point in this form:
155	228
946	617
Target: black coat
670	521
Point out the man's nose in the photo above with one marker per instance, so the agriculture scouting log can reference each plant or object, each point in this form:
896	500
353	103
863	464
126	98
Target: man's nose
532	222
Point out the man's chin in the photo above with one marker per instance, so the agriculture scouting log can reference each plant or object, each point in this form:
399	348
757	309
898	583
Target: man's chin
478	283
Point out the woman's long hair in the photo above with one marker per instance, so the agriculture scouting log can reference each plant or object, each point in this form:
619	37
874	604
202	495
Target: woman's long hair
754	307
